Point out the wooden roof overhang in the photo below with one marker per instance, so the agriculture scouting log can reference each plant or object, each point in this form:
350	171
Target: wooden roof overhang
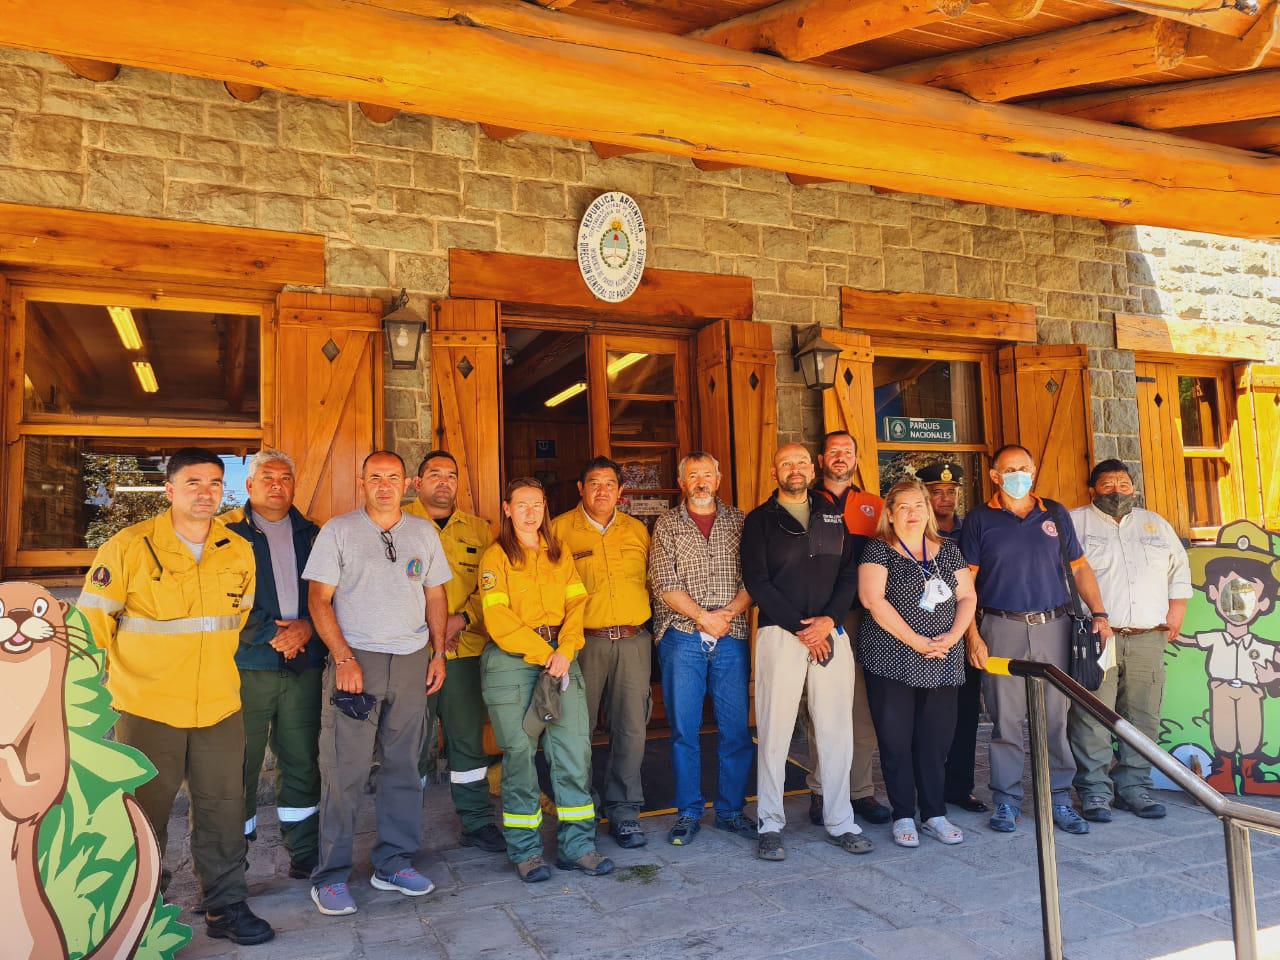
1152	115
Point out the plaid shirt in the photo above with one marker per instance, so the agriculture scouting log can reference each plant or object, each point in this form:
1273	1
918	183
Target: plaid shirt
709	571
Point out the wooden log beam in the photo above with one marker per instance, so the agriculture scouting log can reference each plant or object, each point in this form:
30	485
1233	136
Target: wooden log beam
607	151
99	71
1231	19
1166	106
494	132
1124	46
515	64
244	92
713	166
804	29
1261	135
801	180
378	114
1242	53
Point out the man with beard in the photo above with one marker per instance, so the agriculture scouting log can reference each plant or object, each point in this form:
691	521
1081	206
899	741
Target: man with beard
459	703
798	564
861	511
611	552
699	616
1145	579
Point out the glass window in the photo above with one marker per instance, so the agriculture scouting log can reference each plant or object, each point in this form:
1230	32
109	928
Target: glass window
635	372
1202	476
1198	405
648	480
897	465
77	492
923	389
102	360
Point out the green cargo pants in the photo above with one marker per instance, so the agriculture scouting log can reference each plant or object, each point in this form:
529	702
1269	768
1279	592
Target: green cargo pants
210	760
460	707
1134	688
508	683
283	708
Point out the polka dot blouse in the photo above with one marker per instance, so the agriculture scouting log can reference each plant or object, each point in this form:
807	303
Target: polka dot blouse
884	654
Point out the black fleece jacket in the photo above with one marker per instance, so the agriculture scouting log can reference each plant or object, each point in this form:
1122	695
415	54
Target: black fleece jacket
793	574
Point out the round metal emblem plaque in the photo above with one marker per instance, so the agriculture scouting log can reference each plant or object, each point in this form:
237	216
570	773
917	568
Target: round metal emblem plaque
612	247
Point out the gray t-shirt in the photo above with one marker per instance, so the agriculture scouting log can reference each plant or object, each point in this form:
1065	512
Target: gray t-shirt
284	563
197	549
379	603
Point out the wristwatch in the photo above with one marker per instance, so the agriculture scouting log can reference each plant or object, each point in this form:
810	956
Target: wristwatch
466	617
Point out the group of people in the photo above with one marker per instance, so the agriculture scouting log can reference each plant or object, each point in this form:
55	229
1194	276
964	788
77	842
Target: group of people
336	645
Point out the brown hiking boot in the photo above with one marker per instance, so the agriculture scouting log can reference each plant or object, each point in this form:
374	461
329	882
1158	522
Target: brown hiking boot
533	870
592	864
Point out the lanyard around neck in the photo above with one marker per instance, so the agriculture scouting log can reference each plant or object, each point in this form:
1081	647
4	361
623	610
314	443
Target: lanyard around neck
923	562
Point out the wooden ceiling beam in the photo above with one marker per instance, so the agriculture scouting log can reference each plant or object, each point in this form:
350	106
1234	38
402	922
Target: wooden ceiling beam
1166	106
99	71
1231	19
1125	46
801	180
682	97
714	166
244	92
494	132
375	113
607	151
1243	53
804	29
1263	135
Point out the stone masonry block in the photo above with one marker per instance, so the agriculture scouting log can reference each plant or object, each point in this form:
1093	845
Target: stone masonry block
120	184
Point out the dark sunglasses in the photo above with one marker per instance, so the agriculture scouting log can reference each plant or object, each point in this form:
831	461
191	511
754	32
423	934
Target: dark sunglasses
390	545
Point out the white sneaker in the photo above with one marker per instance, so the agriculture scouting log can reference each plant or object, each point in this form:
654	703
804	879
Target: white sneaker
943	830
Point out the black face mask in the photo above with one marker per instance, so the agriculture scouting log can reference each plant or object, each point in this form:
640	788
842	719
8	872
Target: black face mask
1118	505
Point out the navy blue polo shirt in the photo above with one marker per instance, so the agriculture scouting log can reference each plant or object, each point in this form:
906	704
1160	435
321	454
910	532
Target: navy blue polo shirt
954	532
1018	559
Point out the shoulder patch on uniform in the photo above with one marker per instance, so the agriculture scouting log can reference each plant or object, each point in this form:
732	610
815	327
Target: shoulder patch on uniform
487	580
1050	528
101	577
869	510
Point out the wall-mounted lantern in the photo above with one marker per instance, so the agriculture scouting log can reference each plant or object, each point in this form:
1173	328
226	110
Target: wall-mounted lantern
404	327
814	356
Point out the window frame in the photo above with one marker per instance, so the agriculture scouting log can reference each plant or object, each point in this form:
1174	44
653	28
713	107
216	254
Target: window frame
18	427
1230	490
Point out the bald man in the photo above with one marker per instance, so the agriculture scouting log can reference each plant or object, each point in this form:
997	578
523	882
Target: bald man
798	564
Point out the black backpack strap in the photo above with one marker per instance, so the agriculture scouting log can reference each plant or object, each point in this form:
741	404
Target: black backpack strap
1061	517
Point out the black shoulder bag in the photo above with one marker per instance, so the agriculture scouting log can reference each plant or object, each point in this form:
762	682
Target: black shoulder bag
1086	646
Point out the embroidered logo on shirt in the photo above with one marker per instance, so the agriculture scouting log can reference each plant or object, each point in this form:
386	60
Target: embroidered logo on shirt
487	580
101	577
868	510
1050	528
413	569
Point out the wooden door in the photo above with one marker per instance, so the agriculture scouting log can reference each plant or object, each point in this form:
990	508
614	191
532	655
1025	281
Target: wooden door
850	404
640	412
1160	436
468	399
754	411
328	413
715	411
1044	393
1259	417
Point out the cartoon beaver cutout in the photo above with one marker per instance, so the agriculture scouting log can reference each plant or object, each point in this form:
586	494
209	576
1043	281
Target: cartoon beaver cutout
1241	578
35	646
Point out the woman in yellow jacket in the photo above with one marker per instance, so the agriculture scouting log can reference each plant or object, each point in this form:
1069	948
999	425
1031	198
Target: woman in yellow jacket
533	602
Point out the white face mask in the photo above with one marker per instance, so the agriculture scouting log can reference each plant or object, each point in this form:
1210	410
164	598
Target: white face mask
1238	600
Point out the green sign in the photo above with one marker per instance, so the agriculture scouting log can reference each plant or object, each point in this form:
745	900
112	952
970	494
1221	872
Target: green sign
919	430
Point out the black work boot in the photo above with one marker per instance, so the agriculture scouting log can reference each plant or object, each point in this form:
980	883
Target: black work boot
237	923
488	838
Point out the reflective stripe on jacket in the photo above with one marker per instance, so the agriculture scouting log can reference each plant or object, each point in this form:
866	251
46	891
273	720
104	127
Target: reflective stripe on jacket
171	627
538	593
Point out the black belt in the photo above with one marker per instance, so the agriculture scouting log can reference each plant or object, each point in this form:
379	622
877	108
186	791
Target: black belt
549	634
610	633
1039	616
1132	631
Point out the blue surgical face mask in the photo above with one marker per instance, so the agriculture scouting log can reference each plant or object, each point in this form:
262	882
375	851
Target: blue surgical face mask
1017	484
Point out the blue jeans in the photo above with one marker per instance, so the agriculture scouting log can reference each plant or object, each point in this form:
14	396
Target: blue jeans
689	673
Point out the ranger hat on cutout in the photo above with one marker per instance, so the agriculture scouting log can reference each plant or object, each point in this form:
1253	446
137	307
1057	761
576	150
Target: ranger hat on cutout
944	472
1238	540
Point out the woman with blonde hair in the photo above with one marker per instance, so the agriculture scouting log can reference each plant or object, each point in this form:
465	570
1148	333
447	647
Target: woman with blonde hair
919	598
533	602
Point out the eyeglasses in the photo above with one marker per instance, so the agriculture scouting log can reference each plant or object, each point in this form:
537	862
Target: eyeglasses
390	544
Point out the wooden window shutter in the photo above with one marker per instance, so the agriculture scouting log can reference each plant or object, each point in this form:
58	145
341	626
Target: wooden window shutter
850	404
1259	419
1160	435
753	410
714	408
1044	394
468	404
328	407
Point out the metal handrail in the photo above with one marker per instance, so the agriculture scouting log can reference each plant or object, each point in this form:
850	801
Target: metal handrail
1237	818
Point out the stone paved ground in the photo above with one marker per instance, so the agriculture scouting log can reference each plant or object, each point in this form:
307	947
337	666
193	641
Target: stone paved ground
1131	889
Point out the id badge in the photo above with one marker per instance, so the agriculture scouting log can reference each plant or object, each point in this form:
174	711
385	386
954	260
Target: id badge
935	592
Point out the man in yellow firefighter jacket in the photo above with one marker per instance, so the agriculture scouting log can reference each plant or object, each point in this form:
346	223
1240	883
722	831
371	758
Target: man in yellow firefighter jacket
166	599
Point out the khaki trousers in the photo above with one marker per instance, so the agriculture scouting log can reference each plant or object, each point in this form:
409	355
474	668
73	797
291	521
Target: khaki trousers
861	777
783	672
1235	716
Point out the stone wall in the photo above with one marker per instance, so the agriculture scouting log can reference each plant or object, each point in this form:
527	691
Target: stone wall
393	199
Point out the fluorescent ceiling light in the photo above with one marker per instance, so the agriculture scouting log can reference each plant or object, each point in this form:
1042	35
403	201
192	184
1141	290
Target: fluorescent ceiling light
146	376
621	363
566	394
122	317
